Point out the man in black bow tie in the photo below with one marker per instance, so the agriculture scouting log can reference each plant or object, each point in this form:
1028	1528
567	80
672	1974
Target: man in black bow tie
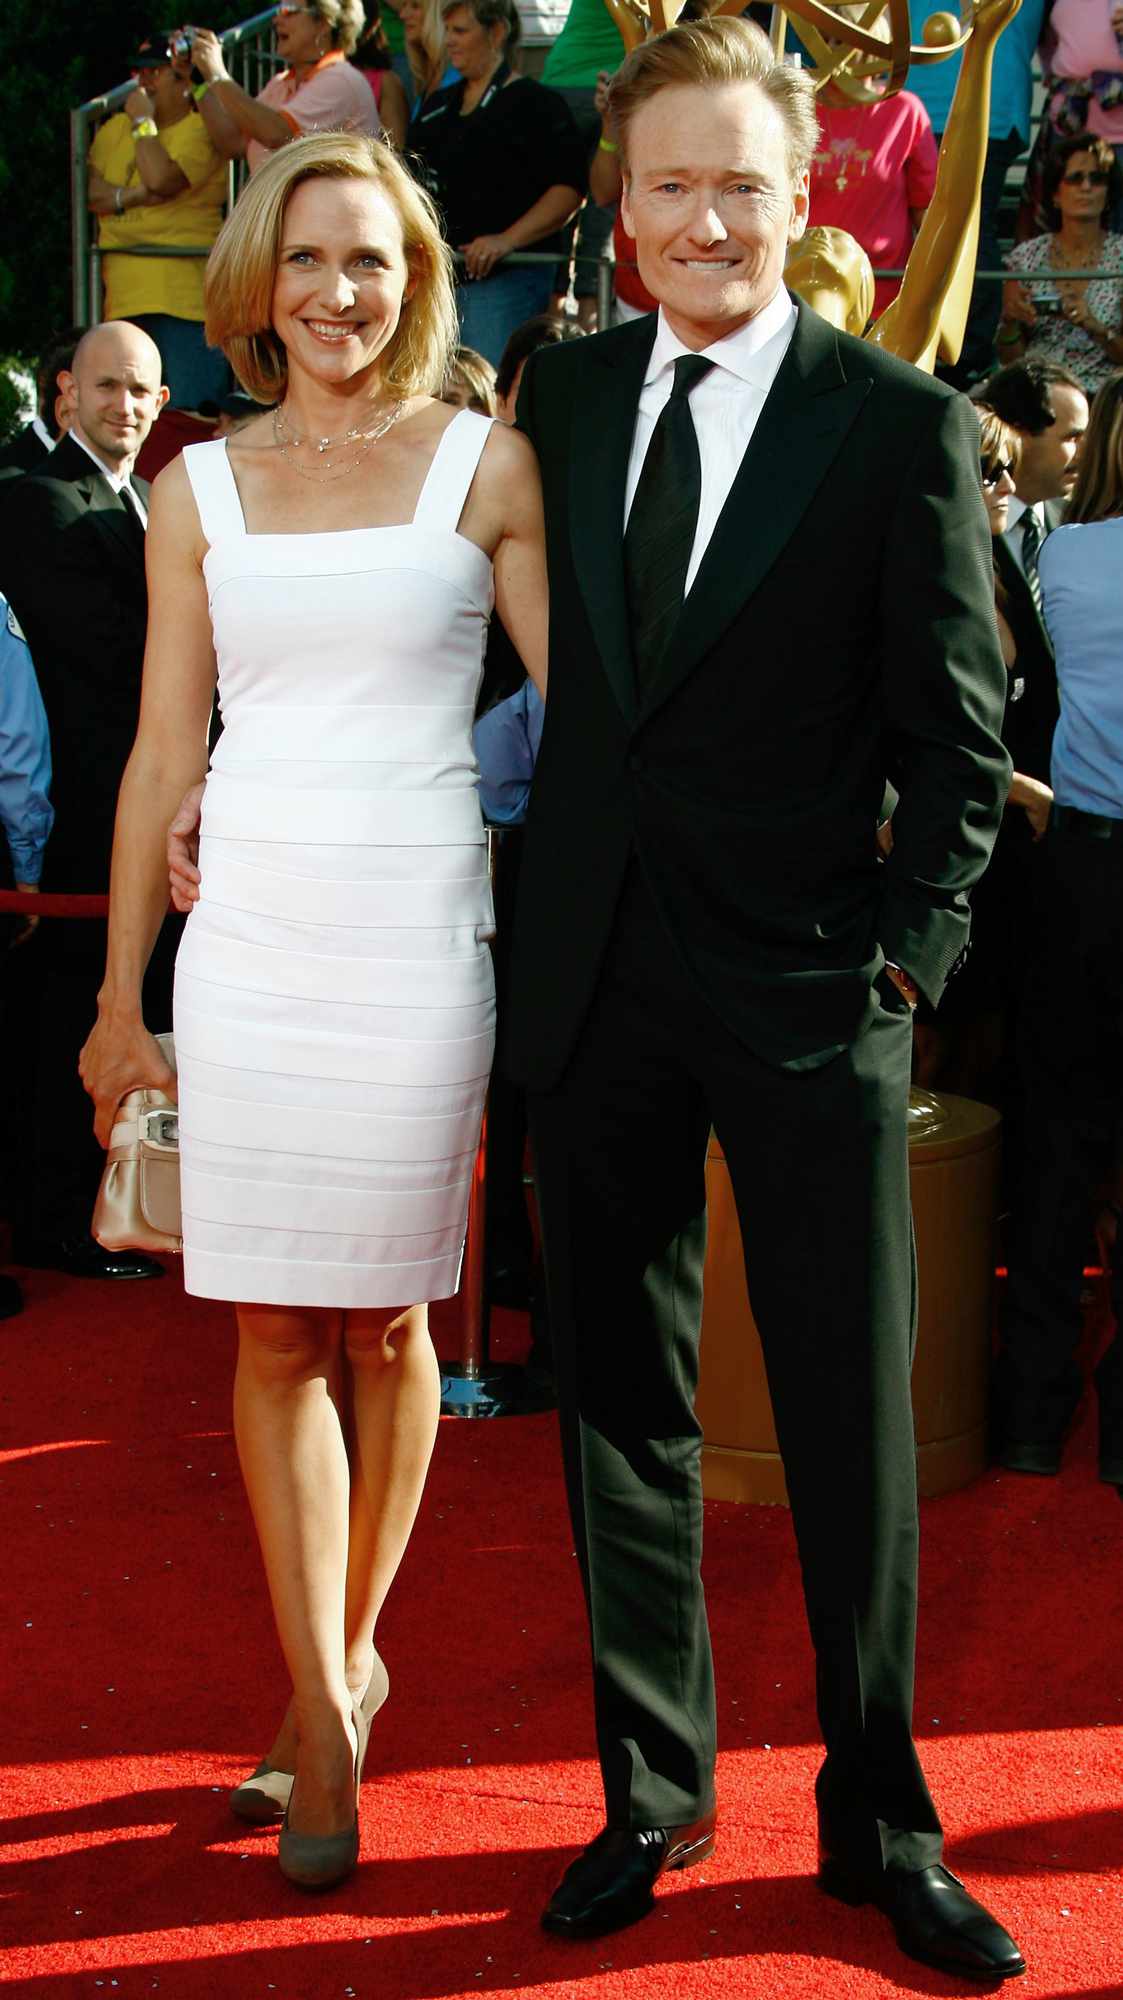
770	588
73	568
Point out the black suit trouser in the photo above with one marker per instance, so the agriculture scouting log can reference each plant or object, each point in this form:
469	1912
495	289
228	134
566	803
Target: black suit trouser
1071	1056
819	1168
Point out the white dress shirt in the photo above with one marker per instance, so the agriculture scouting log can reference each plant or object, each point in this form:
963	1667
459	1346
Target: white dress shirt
725	406
1012	533
119	481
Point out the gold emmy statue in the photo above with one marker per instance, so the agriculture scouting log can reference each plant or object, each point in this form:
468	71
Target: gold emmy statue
863	52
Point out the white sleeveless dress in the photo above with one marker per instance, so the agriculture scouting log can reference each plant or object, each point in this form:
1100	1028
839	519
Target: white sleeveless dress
334	999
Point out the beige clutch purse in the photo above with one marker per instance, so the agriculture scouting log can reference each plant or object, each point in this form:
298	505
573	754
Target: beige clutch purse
137	1206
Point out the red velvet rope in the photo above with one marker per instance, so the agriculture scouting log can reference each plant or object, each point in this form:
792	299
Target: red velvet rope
19	903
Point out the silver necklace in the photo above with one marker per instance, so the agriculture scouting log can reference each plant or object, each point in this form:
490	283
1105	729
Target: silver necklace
362	437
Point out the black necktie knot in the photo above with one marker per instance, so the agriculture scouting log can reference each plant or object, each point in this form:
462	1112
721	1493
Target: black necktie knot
689	370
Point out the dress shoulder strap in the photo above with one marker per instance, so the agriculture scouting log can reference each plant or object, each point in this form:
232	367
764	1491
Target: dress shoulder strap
451	473
215	490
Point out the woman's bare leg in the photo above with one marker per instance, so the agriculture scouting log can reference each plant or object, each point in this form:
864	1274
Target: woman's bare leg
294	1463
396	1386
395	1405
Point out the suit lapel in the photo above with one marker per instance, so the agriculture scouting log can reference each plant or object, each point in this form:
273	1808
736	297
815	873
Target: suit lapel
602	444
803	424
114	517
1013	576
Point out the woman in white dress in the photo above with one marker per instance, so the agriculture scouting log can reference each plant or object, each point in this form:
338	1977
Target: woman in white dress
333	566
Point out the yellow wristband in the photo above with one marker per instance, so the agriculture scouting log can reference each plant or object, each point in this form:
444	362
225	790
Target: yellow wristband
144	128
199	91
607	146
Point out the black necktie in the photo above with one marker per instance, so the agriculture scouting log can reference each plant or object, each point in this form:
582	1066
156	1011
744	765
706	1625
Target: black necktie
663	521
1032	539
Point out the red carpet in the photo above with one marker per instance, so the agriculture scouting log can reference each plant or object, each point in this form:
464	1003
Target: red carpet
142	1677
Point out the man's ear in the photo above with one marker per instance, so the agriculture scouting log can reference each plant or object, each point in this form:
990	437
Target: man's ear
163	394
801	208
67	388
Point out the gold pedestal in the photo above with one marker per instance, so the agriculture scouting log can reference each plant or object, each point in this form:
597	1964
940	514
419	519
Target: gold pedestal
954	1152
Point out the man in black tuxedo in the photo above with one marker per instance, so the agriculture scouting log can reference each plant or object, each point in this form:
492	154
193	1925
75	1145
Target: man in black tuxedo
73	568
31	447
705	935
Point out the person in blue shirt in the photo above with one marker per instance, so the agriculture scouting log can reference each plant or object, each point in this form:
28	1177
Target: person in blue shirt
1011	94
25	778
507	740
1072	1046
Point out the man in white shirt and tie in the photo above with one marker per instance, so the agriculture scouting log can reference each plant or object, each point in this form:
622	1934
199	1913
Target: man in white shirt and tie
769	584
1048	409
73	568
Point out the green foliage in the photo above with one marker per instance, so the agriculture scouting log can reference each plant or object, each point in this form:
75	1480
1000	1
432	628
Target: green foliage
53	57
13	402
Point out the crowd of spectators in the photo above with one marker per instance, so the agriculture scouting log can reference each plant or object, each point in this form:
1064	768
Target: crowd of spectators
519	164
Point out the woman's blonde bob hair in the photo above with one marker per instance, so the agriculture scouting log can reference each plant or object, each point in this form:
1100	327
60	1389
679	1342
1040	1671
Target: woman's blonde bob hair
345	19
242	268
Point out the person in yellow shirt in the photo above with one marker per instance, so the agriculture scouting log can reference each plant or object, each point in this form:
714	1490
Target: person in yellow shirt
155	177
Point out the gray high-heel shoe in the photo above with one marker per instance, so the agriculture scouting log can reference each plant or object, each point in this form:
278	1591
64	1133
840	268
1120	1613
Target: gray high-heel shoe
320	1860
262	1798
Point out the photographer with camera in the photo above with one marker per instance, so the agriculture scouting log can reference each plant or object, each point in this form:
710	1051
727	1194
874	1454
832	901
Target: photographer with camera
1077	322
155	177
317	91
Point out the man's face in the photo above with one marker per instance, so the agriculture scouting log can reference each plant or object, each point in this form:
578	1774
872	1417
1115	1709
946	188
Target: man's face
114	395
1049	464
709	199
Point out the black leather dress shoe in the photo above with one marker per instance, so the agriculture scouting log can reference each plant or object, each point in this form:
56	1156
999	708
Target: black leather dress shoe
610	1884
11	1298
935	1920
82	1257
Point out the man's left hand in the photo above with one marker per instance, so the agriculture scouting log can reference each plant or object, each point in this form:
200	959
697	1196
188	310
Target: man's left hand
138	104
483	253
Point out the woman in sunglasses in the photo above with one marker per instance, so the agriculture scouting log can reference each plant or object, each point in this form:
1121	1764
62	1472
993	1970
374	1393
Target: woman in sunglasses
317	91
967	1045
1077	321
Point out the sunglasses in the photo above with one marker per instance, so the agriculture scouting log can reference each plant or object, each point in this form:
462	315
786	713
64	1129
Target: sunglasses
291	7
993	473
1093	177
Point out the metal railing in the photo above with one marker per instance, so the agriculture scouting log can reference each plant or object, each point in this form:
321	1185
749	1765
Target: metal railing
250	58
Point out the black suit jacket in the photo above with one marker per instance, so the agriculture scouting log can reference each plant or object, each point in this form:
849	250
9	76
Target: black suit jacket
1031	718
73	568
26	452
840	632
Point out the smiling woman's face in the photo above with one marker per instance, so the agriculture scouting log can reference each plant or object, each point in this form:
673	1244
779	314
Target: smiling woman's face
341	278
708	197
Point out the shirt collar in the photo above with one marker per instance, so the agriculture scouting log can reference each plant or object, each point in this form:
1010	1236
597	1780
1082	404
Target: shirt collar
42	433
116	479
288	76
752	354
1018	509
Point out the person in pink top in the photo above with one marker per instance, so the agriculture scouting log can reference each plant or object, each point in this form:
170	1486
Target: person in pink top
873	174
317	91
1082	62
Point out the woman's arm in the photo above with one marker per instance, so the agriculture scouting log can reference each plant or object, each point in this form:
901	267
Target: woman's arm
156	168
169	754
541	219
393	109
506	516
250	118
